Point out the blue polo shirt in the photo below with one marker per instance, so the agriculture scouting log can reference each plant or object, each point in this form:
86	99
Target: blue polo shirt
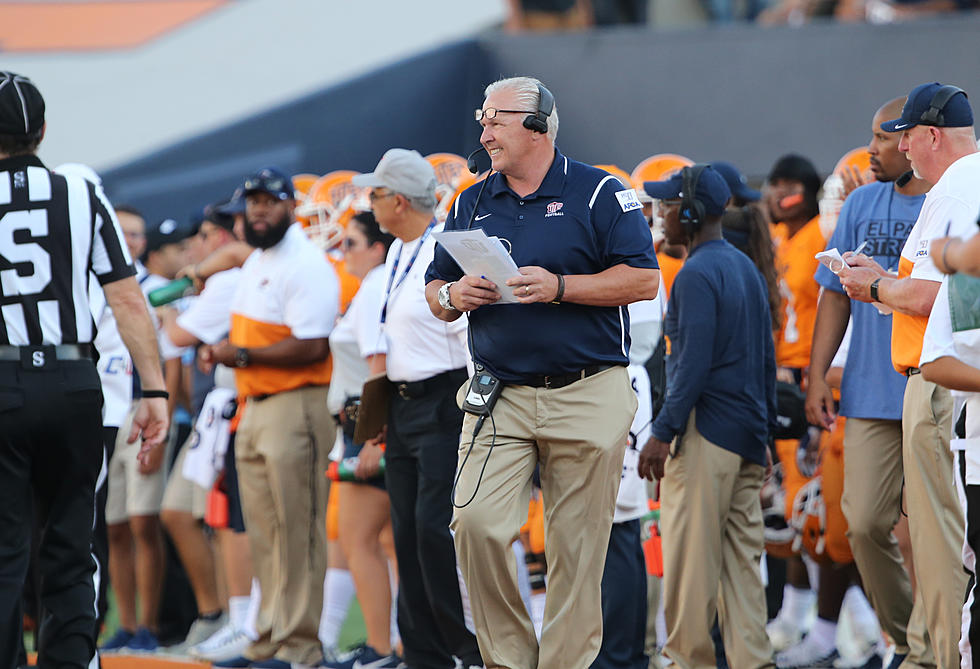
876	213
581	220
722	358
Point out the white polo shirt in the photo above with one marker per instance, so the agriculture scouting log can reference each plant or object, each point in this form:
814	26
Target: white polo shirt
356	337
288	290
209	316
420	345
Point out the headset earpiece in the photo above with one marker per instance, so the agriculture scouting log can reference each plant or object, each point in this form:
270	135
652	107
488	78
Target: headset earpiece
934	115
692	211
538	121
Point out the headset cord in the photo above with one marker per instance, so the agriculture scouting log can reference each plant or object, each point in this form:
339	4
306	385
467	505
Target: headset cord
479	480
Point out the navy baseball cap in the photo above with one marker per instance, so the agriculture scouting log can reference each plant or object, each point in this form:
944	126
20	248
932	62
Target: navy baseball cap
272	181
712	190
21	105
233	206
953	112
736	181
167	231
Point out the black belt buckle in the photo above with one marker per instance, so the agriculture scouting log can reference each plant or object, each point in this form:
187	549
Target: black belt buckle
33	358
547	381
402	389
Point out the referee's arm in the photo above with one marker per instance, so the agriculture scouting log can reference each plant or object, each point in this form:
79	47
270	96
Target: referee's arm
137	332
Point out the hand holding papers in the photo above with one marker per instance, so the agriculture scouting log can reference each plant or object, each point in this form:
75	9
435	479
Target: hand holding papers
835	262
482	256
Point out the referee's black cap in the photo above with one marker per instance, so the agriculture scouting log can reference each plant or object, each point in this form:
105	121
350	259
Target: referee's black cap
21	105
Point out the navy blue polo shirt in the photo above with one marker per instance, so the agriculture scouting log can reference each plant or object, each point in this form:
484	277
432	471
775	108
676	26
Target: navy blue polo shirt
581	220
721	360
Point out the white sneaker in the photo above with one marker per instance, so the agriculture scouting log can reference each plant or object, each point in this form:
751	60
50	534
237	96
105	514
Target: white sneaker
200	631
806	654
783	633
227	643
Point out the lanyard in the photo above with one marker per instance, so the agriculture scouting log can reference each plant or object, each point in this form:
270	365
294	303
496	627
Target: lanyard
408	268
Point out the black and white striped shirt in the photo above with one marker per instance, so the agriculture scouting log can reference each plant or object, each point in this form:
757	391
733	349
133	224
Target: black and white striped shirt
54	231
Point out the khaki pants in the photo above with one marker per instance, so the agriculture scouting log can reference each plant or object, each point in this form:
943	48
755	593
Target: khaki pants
578	434
935	516
872	501
711	523
281	452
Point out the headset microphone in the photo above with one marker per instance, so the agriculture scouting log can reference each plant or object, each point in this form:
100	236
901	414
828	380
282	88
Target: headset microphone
904	179
471	161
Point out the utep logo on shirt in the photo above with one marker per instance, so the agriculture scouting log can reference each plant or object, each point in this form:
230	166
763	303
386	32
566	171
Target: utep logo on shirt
554	209
628	200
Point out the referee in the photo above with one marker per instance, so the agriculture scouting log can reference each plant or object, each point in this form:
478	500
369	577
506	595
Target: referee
54	230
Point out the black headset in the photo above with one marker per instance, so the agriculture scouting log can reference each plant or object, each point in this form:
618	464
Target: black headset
538	122
692	210
934	115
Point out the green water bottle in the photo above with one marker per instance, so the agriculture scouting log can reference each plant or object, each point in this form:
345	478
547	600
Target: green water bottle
344	470
174	290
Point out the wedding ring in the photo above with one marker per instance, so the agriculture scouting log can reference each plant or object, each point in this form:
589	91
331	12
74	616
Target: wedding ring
527	290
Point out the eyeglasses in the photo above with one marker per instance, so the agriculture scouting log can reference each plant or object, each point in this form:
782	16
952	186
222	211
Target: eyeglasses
490	113
374	195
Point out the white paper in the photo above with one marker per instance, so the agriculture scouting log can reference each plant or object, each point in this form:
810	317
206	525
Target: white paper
834	261
479	255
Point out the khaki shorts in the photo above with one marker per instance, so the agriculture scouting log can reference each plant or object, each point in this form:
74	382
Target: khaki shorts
131	493
181	493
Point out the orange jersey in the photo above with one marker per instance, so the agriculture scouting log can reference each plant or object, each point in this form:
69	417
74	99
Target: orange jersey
907	331
669	267
796	265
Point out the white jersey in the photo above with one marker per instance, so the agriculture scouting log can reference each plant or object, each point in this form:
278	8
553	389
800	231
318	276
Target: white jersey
115	365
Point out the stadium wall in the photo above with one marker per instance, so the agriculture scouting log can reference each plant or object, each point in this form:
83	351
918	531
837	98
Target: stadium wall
740	93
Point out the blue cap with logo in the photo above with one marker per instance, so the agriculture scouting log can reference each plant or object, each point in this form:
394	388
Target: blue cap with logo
736	181
712	191
167	231
272	181
933	104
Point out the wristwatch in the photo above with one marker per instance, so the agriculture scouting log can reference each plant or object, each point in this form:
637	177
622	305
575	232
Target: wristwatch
444	300
241	357
874	289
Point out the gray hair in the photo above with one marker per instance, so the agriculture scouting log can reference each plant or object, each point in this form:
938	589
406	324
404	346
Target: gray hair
425	204
526	89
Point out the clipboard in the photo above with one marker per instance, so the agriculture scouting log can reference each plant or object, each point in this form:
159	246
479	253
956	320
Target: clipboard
372	414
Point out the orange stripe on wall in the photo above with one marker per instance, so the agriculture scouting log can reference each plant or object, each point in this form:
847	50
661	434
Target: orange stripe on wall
69	26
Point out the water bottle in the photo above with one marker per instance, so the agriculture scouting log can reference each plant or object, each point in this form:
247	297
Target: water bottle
343	470
174	290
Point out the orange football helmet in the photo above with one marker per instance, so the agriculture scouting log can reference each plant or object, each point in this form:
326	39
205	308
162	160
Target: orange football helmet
658	167
619	173
450	171
326	207
859	158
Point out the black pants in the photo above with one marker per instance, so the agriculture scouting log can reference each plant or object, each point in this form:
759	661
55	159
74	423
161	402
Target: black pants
100	541
50	455
624	601
420	464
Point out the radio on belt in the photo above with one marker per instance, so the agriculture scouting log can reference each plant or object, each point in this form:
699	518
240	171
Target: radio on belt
482	394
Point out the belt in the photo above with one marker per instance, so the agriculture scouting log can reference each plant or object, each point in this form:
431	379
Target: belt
412	390
61	351
912	371
553	381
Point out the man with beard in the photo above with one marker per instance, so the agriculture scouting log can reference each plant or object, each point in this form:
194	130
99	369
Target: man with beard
882	214
940	142
282	314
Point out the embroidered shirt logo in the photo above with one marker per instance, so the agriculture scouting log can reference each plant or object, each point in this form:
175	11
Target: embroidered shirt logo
554	209
923	250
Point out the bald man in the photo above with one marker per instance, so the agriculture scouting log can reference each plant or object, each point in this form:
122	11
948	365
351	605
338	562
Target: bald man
938	138
881	213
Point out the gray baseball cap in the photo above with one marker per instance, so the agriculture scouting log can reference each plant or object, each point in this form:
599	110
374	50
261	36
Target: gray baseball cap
402	171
